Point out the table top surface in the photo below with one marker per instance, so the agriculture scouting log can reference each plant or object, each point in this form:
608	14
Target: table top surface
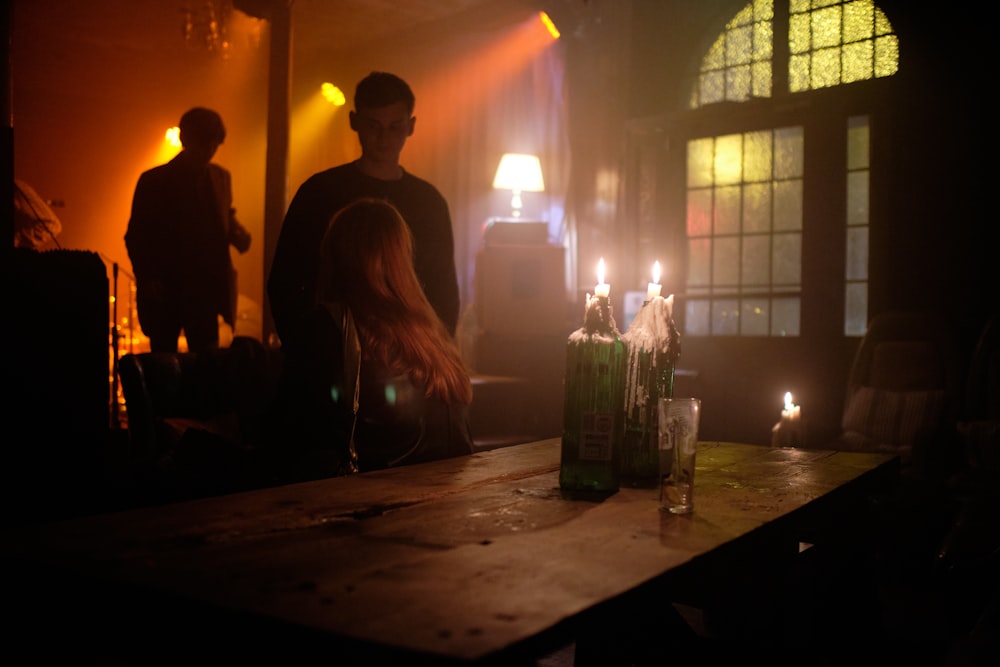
460	559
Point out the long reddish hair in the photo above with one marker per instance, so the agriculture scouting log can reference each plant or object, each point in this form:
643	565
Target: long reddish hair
366	263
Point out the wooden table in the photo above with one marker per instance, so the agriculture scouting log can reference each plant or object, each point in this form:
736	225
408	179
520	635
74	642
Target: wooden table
478	558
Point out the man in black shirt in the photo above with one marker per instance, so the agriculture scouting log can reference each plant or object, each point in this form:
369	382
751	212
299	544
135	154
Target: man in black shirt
383	118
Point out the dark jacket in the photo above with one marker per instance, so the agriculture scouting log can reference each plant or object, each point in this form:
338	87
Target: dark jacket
180	240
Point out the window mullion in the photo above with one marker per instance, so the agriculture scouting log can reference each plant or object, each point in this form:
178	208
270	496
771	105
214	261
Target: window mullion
779	65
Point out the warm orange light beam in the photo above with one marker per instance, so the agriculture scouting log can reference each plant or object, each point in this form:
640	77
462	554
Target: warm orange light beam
482	77
310	140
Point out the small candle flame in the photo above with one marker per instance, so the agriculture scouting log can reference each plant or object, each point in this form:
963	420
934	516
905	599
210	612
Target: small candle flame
602	289
788	400
656	271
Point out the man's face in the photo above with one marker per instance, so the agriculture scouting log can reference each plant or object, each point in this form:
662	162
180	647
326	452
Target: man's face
383	131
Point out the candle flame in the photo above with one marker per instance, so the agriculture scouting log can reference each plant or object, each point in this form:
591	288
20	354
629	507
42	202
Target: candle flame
600	271
656	271
788	400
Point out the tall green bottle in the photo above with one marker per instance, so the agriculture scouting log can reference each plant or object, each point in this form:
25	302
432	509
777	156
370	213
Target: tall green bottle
594	397
653	346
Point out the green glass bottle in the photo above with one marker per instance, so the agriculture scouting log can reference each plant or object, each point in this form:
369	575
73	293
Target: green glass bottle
594	396
653	345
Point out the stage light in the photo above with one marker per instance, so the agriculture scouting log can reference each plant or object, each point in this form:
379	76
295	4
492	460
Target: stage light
549	25
333	95
173	137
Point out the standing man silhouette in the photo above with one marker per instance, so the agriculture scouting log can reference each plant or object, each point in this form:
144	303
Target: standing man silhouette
178	239
383	118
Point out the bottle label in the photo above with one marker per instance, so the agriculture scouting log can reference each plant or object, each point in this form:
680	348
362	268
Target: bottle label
596	441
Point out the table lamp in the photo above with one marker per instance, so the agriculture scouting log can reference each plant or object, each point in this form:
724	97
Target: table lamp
519	173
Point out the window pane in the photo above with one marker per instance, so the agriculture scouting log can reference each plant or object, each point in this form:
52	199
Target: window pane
738	83
787	259
857	142
882	25
886	56
826	28
798	33
712	86
699	163
728	159
715	58
857	198
726	263
725	317
857	253
754	318
699	212
788	152
859	21
798	73
757	208
699	262
856	309
788	206
763	10
857	62
739	46
756	261
785	317
727	210
762	79
857	230
757	158
763	40
696	317
825	68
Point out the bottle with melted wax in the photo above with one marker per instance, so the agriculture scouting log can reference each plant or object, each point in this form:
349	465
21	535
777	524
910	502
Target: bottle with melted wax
653	346
594	399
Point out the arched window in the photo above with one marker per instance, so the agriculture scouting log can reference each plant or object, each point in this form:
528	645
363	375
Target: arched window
745	190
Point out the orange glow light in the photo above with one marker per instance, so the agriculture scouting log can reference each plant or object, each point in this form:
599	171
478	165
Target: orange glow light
549	25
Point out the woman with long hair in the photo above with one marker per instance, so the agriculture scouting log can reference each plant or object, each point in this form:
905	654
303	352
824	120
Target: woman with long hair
377	381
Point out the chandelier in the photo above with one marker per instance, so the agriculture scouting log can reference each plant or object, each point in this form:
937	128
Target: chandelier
206	25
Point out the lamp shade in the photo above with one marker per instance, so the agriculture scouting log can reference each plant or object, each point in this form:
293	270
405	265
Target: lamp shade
520	172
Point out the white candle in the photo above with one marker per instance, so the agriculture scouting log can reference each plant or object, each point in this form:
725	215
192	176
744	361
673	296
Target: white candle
653	288
602	288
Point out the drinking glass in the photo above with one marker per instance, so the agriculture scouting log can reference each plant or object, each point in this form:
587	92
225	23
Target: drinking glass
678	441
